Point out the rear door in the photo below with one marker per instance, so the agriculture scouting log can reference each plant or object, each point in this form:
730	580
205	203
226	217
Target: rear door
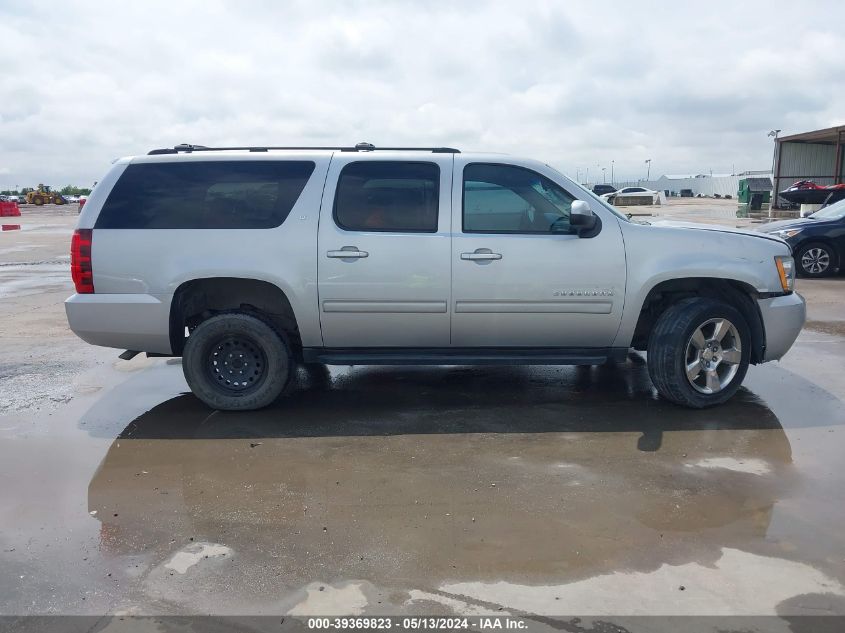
384	251
521	276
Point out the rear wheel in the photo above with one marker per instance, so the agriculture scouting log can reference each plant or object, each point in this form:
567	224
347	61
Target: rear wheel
698	352
236	362
38	200
816	259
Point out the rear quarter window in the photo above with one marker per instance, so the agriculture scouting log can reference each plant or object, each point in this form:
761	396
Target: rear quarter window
205	195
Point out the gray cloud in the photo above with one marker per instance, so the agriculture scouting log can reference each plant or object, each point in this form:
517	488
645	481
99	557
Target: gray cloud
577	84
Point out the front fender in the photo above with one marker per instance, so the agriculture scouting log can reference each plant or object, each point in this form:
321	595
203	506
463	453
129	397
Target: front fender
656	254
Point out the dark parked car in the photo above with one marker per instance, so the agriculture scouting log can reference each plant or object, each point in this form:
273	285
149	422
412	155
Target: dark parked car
817	241
600	190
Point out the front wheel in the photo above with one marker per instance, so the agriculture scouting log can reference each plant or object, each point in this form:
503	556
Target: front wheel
698	352
815	260
236	362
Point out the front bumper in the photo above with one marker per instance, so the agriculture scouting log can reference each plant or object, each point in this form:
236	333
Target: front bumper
126	321
783	318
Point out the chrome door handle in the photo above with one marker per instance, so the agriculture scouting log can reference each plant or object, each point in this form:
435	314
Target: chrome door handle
477	256
348	252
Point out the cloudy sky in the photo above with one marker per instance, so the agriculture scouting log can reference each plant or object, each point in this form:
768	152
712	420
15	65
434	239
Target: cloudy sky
579	84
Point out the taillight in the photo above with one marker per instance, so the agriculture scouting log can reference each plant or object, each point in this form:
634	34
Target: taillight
81	268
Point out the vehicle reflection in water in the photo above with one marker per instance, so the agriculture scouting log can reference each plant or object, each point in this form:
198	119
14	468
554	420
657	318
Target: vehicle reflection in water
462	472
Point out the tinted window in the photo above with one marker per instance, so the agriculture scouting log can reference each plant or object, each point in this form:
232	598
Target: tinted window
507	199
388	196
205	195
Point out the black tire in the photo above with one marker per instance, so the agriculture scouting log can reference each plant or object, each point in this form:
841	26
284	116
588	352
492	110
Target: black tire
669	349
813	255
237	362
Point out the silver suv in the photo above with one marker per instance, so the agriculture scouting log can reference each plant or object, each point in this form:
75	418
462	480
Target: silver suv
247	261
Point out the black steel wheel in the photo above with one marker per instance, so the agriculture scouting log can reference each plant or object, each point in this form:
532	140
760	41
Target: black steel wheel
236	361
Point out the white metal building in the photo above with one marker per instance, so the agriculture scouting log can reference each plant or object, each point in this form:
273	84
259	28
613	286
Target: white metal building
700	184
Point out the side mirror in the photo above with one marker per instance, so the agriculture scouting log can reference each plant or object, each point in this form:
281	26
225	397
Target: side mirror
581	216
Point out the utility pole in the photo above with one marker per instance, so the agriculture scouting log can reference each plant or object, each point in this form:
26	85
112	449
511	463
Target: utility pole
775	184
648	172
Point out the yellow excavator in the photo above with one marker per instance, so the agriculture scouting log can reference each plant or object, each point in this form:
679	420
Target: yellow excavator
43	195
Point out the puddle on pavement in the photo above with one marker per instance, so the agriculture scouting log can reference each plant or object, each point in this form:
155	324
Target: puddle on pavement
503	486
737	584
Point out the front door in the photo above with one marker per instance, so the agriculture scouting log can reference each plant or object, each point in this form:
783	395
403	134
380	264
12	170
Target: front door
384	251
521	276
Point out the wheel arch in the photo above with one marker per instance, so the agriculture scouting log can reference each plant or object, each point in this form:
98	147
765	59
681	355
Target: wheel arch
737	293
198	299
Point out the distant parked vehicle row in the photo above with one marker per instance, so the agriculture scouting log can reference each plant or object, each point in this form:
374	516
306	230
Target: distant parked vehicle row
44	195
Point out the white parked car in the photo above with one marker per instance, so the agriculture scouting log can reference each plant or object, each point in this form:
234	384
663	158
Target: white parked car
633	191
247	261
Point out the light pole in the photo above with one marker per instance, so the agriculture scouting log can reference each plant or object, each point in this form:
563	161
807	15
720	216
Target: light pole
603	173
774	203
648	171
612	179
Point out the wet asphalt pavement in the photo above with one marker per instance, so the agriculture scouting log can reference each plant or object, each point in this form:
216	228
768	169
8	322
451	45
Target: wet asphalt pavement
428	489
368	490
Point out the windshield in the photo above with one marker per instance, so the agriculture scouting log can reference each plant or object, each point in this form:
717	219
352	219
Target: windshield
585	194
836	211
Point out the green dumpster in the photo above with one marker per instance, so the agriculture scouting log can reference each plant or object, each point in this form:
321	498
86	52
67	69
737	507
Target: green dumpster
750	186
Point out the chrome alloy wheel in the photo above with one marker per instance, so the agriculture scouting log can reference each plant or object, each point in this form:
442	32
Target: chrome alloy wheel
713	355
815	260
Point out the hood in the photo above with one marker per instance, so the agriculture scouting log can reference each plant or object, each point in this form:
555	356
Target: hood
718	228
778	225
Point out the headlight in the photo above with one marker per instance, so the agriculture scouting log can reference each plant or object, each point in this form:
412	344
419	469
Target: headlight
786	271
785	234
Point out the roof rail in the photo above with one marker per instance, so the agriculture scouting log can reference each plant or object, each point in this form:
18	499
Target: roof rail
188	148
